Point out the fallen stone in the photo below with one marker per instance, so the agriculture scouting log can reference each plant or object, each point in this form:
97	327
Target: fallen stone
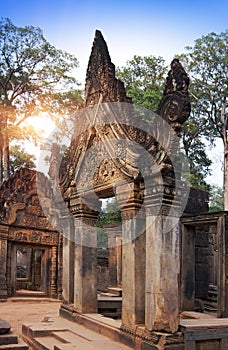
4	327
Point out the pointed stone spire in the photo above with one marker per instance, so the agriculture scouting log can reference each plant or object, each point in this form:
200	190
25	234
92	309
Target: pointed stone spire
175	105
101	83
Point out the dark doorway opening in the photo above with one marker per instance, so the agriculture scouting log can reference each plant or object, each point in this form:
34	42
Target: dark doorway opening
30	269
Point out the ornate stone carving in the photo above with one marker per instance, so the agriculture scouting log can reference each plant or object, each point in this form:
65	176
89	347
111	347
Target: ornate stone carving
101	83
175	105
19	202
34	236
102	86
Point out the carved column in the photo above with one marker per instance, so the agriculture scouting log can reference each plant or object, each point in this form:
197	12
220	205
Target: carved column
68	259
119	260
8	268
53	284
85	248
133	256
3	261
162	257
113	231
60	267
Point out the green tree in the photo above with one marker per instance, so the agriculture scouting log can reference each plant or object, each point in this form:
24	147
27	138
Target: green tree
216	198
144	79
20	158
193	148
111	214
207	63
32	71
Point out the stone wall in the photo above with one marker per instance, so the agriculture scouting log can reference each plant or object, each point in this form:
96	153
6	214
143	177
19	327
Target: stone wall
198	202
23	224
201	263
103	277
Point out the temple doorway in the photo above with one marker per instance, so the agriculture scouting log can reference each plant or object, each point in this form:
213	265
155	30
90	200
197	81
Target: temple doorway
31	269
109	258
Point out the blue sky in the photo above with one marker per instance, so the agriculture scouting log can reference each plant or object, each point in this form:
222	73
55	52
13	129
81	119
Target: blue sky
161	28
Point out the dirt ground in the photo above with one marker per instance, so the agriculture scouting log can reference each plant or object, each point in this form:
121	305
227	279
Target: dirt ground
17	313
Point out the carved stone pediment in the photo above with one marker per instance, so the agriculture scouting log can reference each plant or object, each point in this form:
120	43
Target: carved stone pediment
112	141
19	201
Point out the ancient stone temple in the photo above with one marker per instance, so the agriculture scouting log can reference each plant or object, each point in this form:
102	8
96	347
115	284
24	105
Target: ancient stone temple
168	257
30	248
103	161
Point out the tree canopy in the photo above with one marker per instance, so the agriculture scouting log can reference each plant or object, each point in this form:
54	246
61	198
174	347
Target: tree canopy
32	73
144	79
20	158
216	198
207	64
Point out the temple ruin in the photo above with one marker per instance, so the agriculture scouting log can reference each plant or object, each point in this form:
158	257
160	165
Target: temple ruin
30	246
168	257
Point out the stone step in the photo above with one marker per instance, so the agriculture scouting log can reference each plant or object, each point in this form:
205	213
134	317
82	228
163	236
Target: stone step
32	299
76	347
21	345
64	340
106	294
213	287
115	290
100	334
109	303
71	337
213	294
32	294
9	338
46	343
116	314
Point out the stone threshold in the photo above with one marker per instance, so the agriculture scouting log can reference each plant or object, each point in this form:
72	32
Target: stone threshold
113	329
16	299
60	334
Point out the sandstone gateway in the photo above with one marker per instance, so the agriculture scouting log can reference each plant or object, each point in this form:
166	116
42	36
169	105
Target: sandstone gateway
166	253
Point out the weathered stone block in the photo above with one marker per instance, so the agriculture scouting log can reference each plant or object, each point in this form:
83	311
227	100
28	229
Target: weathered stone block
4	326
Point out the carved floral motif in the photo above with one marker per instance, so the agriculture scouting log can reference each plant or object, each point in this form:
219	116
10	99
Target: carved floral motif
34	237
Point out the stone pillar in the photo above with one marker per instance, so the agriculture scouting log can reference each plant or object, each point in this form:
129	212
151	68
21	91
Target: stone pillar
3	261
222	229
119	260
60	267
162	257
68	259
53	272
188	268
85	248
8	269
113	231
133	256
225	221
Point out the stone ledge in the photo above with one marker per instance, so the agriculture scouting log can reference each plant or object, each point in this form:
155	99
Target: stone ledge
136	339
9	338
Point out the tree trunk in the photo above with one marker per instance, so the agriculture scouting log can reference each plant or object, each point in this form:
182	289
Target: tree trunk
6	157
225	177
1	164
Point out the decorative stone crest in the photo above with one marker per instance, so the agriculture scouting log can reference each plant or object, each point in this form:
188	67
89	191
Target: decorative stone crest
118	160
19	202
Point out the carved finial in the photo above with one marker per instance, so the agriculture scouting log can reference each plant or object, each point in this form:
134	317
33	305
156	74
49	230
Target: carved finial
177	79
175	105
101	83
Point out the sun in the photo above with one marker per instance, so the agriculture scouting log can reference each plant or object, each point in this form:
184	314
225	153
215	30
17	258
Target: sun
41	123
